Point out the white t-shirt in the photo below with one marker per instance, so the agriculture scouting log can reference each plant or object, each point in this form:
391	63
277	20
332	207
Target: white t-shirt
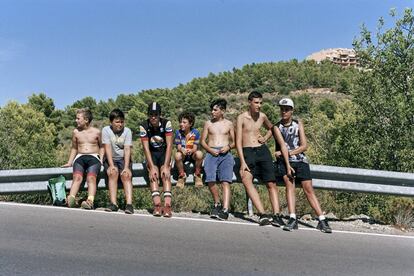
117	141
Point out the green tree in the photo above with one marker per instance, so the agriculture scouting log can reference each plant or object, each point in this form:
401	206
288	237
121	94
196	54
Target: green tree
28	140
382	134
42	103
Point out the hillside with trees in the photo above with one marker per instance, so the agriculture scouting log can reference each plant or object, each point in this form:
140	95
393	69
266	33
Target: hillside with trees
353	117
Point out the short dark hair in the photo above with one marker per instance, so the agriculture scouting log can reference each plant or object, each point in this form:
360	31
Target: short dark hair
116	114
221	103
86	112
254	94
187	115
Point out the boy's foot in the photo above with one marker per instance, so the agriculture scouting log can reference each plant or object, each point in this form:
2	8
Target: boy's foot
167	211
265	219
87	205
223	214
277	220
324	226
181	181
198	182
291	225
215	209
129	209
157	211
71	201
112	208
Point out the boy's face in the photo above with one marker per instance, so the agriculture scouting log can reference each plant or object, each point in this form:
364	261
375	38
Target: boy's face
217	112
185	124
286	112
117	124
154	119
255	104
81	122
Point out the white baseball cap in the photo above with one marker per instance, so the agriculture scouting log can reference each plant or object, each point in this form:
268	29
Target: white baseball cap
286	102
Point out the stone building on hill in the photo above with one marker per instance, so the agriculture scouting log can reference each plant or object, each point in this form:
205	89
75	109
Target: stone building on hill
341	56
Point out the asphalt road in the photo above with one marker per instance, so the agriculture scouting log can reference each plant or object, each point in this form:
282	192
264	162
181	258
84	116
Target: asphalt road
60	241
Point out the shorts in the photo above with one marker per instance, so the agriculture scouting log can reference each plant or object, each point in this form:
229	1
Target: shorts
87	163
260	162
119	164
302	170
219	168
158	158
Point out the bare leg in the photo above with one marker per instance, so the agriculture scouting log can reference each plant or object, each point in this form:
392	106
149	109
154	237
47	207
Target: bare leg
166	184
226	195
310	195
214	191
154	185
274	196
91	179
198	157
247	180
290	194
76	182
179	162
113	184
127	183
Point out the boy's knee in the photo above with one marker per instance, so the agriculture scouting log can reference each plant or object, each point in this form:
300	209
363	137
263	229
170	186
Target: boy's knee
112	173
77	178
178	156
198	155
125	177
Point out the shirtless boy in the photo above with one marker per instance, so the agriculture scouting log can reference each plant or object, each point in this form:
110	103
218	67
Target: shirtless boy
156	138
295	140
219	162
86	155
256	159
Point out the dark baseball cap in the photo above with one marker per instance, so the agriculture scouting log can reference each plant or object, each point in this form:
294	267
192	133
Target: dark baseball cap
154	107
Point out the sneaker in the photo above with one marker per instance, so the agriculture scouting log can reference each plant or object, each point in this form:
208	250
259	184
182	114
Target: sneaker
112	208
265	219
157	211
198	182
277	220
324	226
129	209
71	201
87	205
291	225
215	209
223	214
167	211
181	181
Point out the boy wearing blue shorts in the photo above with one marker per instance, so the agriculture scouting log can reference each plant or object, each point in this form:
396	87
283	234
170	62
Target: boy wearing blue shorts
219	162
187	140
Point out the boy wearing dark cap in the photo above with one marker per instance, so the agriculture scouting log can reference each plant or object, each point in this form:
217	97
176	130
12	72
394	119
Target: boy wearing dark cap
156	138
295	140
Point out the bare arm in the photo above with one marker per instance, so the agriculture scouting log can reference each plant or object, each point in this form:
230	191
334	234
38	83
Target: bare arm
232	144
279	139
268	125
101	147
73	150
203	139
127	160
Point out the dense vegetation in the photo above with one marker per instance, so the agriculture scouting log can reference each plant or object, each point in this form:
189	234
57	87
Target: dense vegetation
353	117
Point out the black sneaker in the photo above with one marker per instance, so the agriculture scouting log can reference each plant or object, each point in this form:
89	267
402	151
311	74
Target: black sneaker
223	214
324	226
215	209
277	220
129	209
112	208
291	225
265	219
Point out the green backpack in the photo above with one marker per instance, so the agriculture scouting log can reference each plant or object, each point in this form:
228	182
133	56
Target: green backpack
57	189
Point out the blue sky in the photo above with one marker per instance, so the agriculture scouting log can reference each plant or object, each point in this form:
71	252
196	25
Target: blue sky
70	49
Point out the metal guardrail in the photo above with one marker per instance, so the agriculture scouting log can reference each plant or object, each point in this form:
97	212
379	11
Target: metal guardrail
324	177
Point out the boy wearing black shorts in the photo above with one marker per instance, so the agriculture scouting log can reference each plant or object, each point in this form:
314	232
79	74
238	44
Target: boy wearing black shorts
156	138
295	140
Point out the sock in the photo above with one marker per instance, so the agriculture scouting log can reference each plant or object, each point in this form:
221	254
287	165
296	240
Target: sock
293	216
91	198
321	217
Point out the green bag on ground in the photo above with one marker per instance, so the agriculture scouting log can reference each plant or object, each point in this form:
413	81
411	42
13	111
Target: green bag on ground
57	189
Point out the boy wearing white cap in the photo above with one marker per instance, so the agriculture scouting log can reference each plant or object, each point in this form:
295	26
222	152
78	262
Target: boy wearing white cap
295	140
